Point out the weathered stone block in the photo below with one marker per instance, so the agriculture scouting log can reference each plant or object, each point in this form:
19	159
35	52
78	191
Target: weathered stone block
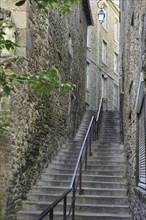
19	18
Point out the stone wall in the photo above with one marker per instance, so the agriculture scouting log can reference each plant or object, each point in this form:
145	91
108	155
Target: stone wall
4	172
39	125
132	49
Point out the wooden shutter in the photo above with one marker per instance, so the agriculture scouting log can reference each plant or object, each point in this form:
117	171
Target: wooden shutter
142	147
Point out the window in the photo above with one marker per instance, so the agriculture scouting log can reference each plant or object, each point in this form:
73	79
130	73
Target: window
105	19
116	30
104	82
141	112
87	77
116	62
89	37
142	148
104	52
115	96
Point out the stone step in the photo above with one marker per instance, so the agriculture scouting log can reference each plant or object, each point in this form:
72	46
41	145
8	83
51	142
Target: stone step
94	184
111	145
101	216
47	177
105	167
85	190
97	184
58	171
113	126
93	199
110	135
90	166
91	160
108	151
106	142
106	157
72	158
104	191
92	172
98	150
93	208
31	215
105	153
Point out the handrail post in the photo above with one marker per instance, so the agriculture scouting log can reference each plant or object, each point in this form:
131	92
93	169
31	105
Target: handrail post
97	130
94	130
51	215
73	201
64	208
80	177
86	150
90	140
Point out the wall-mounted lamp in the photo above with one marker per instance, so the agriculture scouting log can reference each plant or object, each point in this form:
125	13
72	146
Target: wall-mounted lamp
101	13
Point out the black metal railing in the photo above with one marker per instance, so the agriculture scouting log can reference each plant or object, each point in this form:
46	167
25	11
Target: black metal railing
82	162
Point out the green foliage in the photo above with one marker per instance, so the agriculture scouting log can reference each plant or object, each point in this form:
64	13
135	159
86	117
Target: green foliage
44	83
6	43
4	123
65	6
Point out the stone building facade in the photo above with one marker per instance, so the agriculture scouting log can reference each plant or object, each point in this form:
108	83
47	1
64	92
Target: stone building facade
103	57
132	90
39	125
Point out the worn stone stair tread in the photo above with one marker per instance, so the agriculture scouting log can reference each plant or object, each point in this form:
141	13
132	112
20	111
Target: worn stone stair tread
47	170
44	183
106	170
101	214
103	183
51	180
77	204
50	187
109	172
108	182
80	196
105	156
103	189
104	176
87	181
84	175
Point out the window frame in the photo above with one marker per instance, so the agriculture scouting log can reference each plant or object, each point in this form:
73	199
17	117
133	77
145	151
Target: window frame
116	62
141	105
104	52
142	149
116	29
115	107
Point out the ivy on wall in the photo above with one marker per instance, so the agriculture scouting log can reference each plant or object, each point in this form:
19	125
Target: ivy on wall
46	81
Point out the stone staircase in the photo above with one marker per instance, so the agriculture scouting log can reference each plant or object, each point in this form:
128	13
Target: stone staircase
104	194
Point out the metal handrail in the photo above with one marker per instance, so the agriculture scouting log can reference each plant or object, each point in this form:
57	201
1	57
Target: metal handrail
94	123
81	151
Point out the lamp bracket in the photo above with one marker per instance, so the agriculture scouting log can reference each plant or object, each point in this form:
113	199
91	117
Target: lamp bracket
100	7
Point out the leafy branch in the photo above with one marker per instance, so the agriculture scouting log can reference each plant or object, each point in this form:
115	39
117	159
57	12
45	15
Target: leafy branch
44	83
4	43
65	6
